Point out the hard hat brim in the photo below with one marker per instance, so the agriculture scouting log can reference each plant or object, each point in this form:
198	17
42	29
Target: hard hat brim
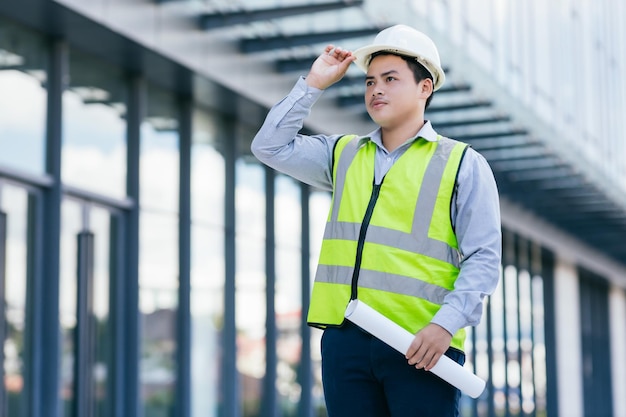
363	57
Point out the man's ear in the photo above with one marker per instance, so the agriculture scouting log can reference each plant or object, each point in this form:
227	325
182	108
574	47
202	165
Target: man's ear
426	86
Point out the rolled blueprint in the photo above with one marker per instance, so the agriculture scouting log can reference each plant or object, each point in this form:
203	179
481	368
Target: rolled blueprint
400	339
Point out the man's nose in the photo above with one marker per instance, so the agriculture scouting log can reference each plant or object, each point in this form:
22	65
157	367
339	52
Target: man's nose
377	91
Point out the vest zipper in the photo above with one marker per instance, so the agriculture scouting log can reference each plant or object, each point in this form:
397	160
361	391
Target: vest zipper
359	247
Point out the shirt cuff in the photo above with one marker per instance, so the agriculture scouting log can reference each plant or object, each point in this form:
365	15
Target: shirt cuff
450	319
305	93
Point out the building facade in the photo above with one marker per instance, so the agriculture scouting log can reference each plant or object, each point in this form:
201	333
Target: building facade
150	266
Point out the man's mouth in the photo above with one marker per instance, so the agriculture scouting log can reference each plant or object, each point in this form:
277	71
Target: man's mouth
377	103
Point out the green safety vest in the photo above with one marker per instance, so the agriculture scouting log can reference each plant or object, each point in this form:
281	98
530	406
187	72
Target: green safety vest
391	245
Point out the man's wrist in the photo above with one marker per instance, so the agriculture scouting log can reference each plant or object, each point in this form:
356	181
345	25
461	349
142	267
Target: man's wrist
313	81
442	328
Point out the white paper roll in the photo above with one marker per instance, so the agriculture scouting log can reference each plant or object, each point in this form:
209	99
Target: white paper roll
400	339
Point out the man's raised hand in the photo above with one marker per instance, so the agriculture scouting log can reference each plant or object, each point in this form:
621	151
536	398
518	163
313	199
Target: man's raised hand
329	67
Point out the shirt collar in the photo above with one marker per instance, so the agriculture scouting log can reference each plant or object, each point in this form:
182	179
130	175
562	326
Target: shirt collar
427	132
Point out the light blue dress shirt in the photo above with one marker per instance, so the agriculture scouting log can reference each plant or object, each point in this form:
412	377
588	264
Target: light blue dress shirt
475	211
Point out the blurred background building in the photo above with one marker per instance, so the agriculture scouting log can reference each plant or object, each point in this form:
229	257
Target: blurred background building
149	266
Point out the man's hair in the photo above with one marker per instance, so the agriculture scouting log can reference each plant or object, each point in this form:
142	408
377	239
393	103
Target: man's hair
419	71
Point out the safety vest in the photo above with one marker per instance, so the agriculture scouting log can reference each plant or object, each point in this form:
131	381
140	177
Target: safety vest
392	245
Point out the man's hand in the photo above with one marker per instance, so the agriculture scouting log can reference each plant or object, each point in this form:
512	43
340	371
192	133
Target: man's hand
428	345
329	67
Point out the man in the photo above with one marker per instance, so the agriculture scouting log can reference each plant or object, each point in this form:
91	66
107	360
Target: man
413	229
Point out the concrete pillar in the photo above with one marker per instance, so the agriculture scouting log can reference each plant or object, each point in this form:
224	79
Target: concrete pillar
617	325
568	343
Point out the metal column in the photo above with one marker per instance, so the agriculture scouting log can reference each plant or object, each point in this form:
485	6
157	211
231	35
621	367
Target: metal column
547	273
183	317
230	385
130	354
3	323
49	308
84	336
270	403
305	375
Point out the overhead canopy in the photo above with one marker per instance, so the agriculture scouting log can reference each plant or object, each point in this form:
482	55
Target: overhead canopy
530	170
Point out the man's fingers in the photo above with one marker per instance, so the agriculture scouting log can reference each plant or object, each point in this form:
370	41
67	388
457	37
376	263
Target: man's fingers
432	361
425	361
414	348
338	53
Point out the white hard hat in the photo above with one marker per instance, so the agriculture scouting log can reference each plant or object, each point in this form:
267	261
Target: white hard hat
404	40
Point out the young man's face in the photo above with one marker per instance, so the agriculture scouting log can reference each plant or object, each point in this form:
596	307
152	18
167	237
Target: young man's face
392	96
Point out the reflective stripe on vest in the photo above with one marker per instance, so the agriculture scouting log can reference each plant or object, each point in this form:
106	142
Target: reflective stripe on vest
406	256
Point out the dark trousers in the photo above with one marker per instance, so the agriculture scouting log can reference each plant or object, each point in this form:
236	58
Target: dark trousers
364	377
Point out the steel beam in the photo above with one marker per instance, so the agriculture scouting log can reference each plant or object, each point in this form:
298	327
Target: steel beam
528	152
528	164
208	21
252	45
539	174
458	106
472	122
498	136
294	64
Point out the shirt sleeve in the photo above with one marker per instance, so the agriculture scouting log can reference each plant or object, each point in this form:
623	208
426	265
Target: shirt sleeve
279	145
476	216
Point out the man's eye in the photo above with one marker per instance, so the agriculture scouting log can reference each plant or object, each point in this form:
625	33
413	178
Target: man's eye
391	78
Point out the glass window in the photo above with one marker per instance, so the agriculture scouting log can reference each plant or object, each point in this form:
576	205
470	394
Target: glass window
478	38
22	99
595	340
71	225
526	342
513	52
498	348
250	282
565	53
514	360
539	345
512	342
456	27
94	128
79	218
207	265
591	111
158	252
436	11
100	226
476	358
319	205
13	212
288	227
208	171
542	60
